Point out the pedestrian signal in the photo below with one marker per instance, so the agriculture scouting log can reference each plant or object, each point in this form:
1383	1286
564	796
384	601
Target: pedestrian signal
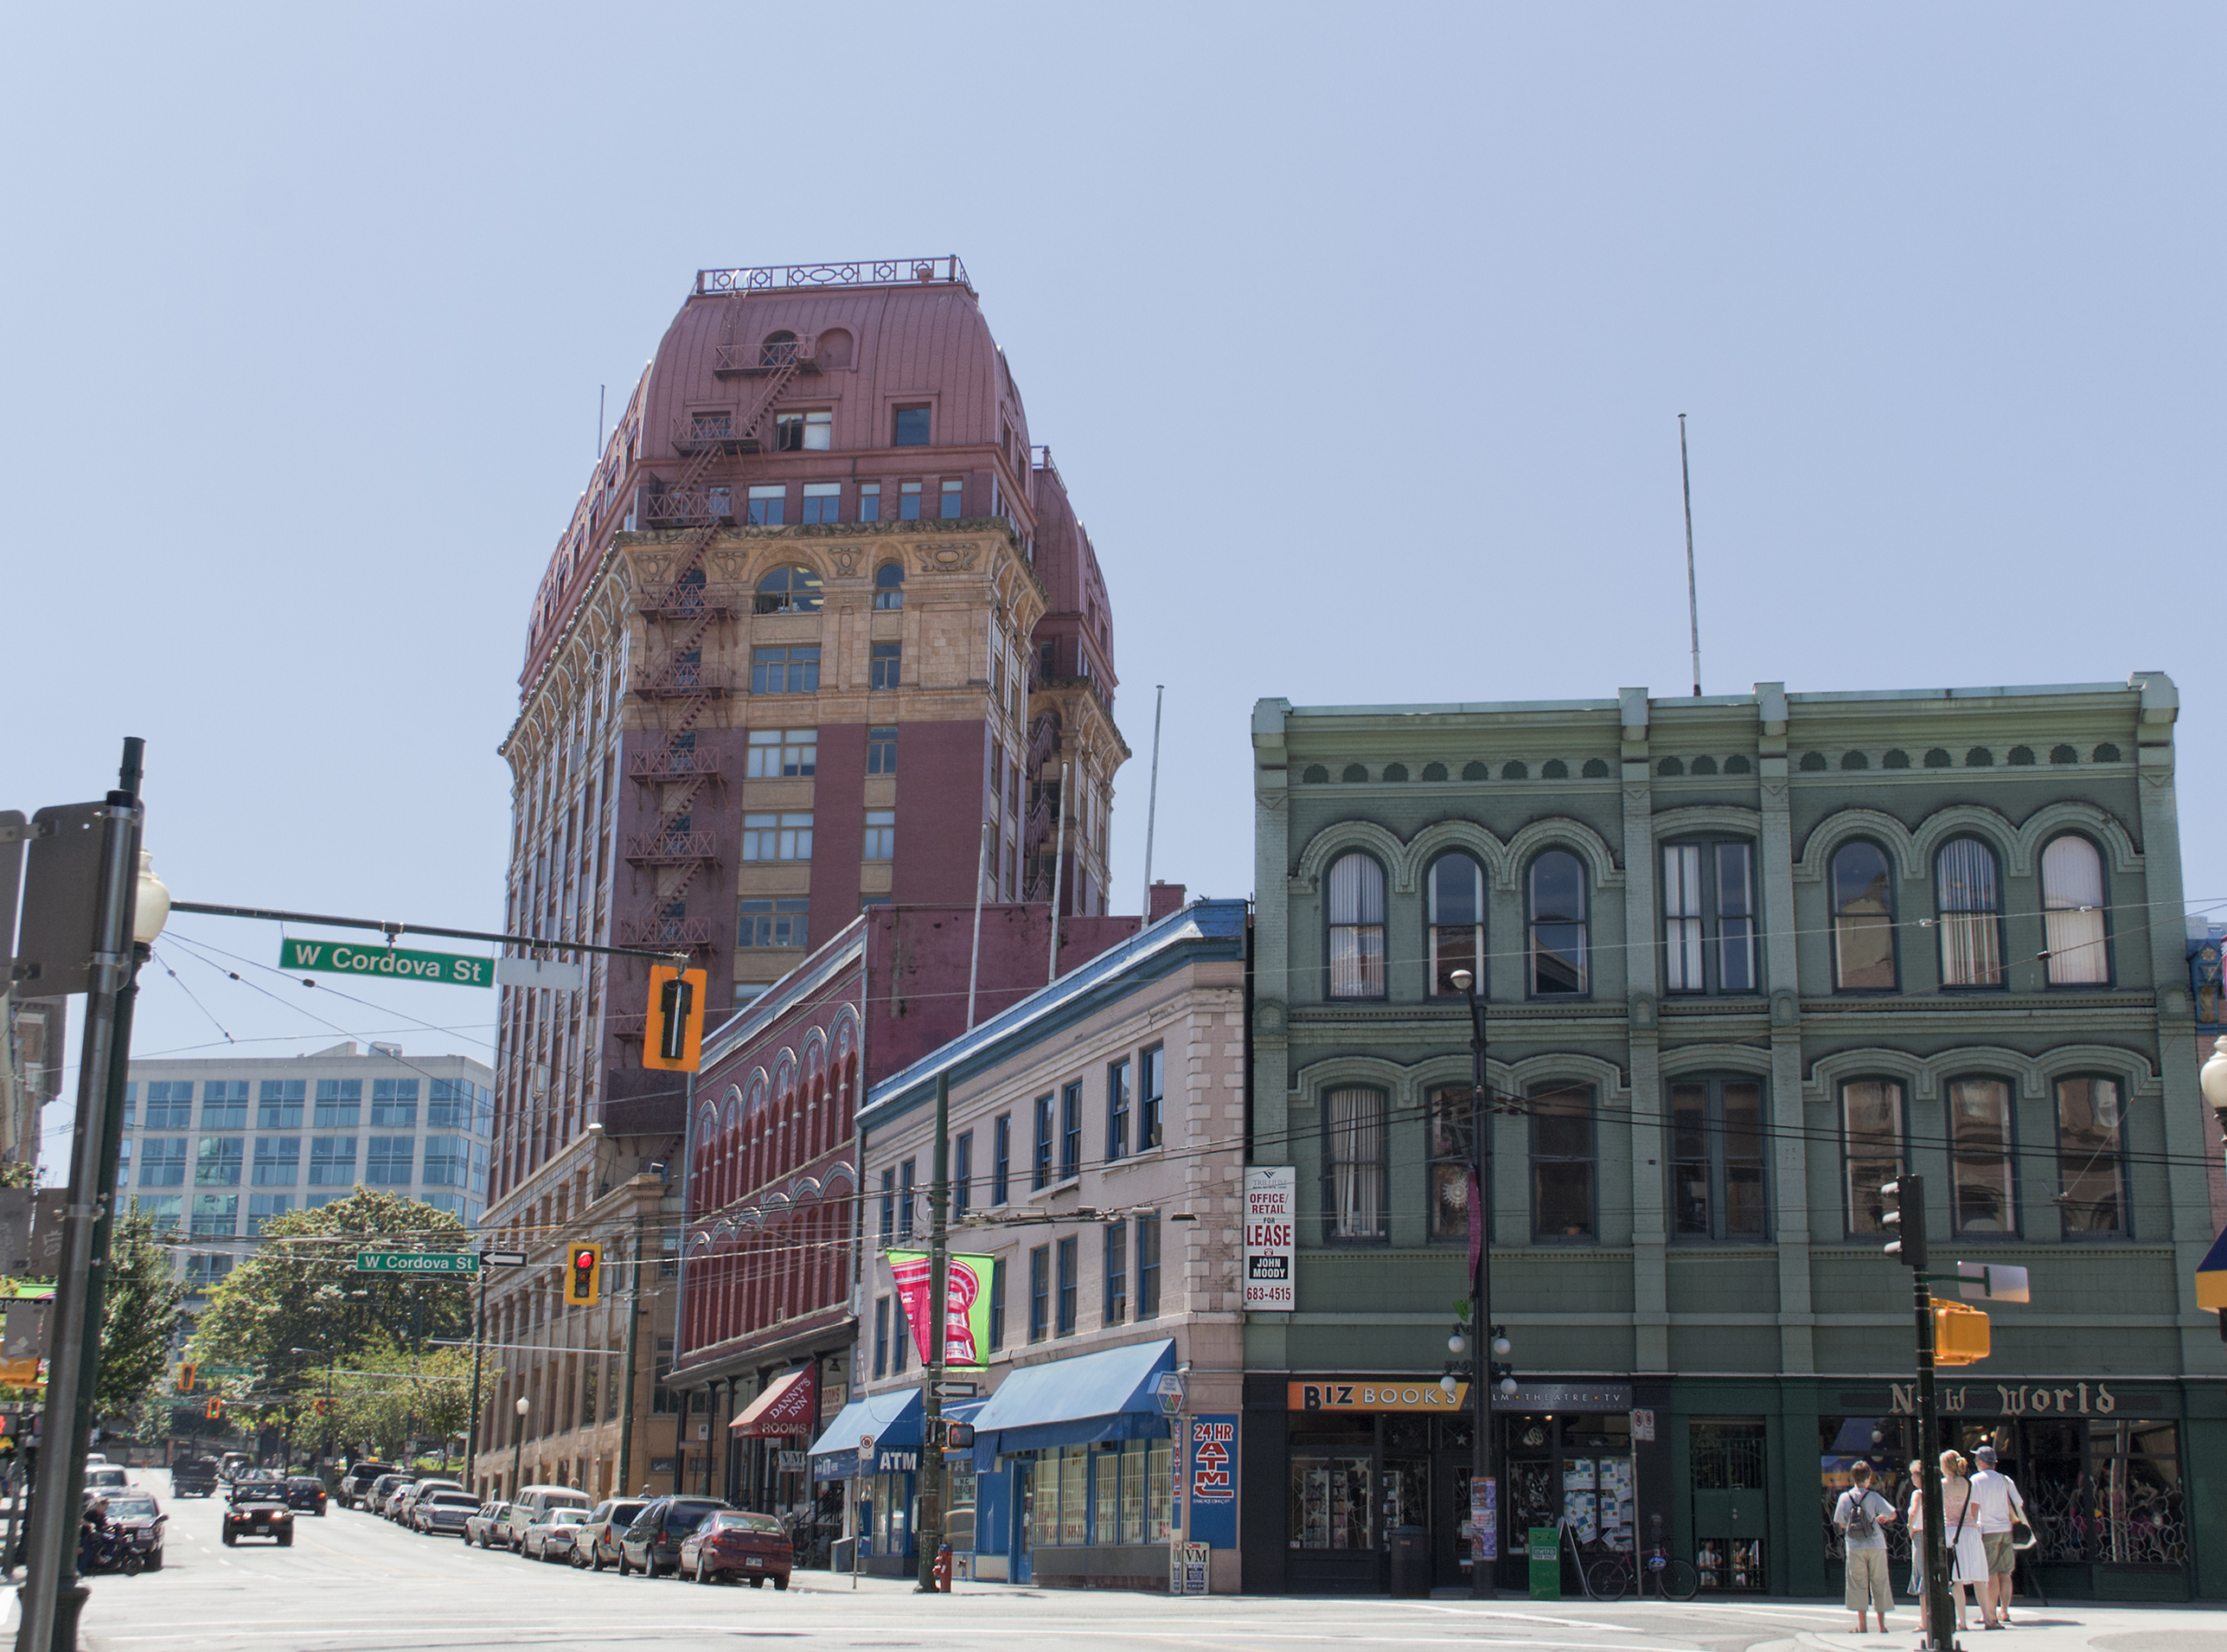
1960	1335
214	1409
584	1276
673	1040
185	1379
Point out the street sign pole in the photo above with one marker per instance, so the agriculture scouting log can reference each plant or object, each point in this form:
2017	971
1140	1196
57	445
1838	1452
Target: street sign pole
939	1267
52	1597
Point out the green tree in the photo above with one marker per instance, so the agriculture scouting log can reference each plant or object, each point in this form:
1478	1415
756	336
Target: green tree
139	1319
298	1305
383	1395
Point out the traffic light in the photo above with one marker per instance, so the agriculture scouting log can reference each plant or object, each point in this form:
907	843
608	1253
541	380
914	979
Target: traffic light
214	1410
584	1276
1905	1213
321	1404
673	1040
186	1377
1960	1335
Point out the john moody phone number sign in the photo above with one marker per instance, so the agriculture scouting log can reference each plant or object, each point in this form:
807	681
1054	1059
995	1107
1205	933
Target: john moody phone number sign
1271	1238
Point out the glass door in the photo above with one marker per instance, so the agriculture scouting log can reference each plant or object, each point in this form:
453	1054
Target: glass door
1024	1515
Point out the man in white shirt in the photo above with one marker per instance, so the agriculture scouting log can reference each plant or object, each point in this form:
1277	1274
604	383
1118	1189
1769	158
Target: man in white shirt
1994	1495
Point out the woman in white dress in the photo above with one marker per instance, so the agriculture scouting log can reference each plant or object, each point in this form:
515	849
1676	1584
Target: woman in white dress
1961	1520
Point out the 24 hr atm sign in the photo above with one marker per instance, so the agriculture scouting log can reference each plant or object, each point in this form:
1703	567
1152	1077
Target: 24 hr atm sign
393	963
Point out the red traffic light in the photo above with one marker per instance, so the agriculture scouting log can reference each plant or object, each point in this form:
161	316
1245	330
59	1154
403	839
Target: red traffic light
584	1279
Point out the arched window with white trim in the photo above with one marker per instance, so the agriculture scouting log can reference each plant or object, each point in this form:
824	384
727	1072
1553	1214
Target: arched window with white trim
2072	902
1456	899
1559	966
1356	925
1863	918
1969	897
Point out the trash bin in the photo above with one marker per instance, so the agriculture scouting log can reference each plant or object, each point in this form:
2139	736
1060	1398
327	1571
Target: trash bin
1411	1560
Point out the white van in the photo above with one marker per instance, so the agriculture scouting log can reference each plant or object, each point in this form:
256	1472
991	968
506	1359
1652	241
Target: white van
533	1503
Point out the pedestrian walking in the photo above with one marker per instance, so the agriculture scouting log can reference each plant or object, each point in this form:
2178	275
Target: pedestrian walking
1863	1515
1995	1495
1968	1556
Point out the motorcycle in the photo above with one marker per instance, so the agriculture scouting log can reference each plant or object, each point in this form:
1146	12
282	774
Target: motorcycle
108	1551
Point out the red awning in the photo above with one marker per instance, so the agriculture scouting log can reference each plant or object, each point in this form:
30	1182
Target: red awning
789	1407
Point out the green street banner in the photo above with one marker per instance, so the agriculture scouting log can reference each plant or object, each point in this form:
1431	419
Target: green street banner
966	1305
347	957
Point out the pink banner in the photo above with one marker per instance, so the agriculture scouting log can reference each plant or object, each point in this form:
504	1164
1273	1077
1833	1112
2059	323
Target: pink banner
966	1304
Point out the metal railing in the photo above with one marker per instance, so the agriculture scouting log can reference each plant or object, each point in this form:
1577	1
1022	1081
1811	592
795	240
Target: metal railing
684	505
671	848
803	351
678	764
680	680
668	931
683	601
868	272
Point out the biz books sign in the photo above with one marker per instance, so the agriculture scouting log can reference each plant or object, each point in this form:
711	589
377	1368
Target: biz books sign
966	1304
1271	1220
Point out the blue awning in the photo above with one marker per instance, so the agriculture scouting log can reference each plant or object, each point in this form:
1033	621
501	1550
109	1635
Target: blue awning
1109	1396
891	1419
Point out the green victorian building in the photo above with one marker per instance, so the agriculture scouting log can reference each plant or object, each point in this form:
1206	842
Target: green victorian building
1745	955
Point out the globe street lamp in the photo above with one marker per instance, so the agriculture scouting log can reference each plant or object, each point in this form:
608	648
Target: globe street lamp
518	1442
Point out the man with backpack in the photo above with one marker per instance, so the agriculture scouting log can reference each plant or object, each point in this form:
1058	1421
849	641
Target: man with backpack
1862	1515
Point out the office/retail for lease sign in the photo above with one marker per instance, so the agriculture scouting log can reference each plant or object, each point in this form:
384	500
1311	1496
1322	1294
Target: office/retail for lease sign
1271	1221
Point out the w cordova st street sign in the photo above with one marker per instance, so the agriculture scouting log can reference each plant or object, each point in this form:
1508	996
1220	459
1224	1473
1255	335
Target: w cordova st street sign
347	957
416	1261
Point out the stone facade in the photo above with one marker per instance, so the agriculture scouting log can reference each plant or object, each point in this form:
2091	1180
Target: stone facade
1681	1233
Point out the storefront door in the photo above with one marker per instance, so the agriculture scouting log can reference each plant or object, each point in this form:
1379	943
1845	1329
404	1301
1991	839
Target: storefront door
1449	1507
1731	1508
1024	1516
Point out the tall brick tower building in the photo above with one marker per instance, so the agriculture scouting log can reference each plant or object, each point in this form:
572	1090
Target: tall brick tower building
822	612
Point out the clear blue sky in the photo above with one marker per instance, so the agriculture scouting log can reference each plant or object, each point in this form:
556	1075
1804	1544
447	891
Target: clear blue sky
1360	335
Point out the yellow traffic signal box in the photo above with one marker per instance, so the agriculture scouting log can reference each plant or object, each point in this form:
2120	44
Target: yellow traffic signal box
1960	1335
185	1379
673	1041
215	1409
582	1275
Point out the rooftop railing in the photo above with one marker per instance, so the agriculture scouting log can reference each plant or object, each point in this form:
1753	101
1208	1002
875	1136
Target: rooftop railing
870	272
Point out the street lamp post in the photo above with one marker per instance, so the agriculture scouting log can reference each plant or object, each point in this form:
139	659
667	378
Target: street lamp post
1482	1339
518	1442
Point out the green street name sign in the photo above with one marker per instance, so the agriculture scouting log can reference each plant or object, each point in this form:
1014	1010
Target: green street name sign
346	958
416	1261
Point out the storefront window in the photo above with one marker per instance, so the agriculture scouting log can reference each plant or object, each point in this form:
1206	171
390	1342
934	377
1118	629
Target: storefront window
1159	1491
1105	1496
1330	1502
2140	1517
1074	1495
1044	1511
1132	1491
1842	1443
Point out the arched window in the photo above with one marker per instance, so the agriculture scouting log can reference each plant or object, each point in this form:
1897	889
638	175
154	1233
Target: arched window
1356	911
1982	1155
2072	913
788	591
2091	1172
1557	925
1457	922
1354	1161
1863	919
889	586
778	350
1970	900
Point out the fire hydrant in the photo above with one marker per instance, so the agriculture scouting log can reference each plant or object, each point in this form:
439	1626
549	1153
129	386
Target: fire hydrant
943	1569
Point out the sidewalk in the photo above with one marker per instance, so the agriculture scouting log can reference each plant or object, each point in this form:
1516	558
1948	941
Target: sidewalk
2067	1627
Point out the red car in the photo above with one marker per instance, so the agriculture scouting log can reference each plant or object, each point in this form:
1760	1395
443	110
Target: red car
732	1543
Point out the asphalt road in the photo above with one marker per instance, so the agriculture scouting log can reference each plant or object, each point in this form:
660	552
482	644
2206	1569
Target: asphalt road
352	1583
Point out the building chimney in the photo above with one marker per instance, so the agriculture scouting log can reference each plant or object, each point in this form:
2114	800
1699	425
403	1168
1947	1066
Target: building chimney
1165	898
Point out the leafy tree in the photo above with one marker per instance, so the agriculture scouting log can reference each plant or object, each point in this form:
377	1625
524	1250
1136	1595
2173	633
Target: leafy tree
298	1305
382	1396
140	1317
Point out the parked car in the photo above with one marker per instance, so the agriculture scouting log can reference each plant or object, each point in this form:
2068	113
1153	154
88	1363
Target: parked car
392	1499
258	1513
356	1483
551	1537
652	1543
373	1500
732	1543
306	1493
443	1514
484	1526
596	1544
406	1503
142	1523
531	1503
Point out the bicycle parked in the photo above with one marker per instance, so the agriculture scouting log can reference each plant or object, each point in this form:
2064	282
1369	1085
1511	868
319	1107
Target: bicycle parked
1674	1578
